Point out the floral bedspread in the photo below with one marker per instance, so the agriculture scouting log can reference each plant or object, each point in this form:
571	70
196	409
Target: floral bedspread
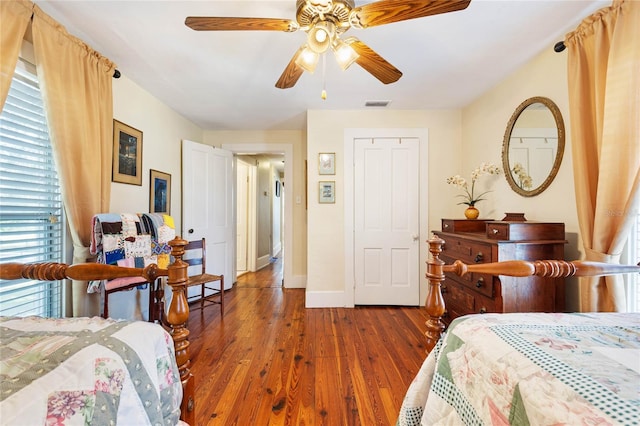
87	371
530	369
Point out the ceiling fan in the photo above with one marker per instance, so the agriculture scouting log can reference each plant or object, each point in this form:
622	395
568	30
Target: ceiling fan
325	21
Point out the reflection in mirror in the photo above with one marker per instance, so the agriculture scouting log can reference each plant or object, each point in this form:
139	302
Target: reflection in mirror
533	146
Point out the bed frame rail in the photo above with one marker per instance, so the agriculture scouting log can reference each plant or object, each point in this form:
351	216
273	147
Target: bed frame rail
436	268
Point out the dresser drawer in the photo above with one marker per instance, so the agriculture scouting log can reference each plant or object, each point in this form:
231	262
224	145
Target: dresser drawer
482	283
455	294
460	301
452	312
525	231
485	305
463	225
467	251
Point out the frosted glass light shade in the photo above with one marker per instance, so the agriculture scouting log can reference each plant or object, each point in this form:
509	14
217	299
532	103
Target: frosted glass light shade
345	54
321	36
307	59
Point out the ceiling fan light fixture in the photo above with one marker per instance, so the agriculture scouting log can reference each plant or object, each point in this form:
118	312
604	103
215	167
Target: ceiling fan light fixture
307	59
345	54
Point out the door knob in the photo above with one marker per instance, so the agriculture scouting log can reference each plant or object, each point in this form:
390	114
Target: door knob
415	237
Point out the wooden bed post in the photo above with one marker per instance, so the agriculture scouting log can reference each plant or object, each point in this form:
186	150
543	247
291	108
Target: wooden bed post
177	318
434	304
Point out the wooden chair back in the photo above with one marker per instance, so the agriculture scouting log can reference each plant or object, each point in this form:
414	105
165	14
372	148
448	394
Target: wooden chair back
196	254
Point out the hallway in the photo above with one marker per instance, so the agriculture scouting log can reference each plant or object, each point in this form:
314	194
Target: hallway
269	276
271	361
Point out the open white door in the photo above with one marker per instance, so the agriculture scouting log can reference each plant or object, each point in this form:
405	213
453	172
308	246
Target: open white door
207	209
242	217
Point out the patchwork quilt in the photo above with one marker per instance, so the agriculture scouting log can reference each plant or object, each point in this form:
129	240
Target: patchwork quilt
87	371
530	369
131	240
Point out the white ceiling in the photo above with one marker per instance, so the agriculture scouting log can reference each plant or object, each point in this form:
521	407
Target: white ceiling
226	80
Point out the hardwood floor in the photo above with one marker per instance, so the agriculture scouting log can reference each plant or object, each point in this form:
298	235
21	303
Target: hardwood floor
273	362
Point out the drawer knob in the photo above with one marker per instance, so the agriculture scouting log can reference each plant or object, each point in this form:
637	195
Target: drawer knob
483	310
480	282
495	231
479	257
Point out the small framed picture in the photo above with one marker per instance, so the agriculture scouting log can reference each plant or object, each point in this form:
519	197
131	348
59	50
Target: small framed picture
127	154
160	192
327	192
327	163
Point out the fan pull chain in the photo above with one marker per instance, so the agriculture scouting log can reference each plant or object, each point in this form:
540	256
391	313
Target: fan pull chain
323	95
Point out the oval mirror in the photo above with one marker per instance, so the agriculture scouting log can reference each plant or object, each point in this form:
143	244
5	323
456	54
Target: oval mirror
533	146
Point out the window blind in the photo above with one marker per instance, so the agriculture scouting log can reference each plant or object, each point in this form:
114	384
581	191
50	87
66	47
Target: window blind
31	213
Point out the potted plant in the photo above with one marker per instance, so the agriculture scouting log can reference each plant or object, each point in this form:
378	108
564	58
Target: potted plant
470	198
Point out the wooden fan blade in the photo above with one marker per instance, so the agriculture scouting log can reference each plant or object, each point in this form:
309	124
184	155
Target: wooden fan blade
388	11
375	64
291	73
213	23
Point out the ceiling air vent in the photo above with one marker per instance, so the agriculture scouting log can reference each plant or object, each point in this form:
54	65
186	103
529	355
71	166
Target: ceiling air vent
377	104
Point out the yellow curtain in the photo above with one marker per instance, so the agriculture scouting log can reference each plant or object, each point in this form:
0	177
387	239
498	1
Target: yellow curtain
14	19
604	103
76	84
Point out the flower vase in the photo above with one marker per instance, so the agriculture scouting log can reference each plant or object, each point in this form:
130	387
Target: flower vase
471	213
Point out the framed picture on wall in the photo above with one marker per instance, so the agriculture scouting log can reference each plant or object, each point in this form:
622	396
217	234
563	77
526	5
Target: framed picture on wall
127	154
160	192
327	163
327	192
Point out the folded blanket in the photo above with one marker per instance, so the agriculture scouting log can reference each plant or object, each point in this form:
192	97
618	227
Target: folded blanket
164	231
142	237
130	262
103	223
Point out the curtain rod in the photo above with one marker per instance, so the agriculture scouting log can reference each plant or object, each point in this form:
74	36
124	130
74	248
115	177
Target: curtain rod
28	37
558	47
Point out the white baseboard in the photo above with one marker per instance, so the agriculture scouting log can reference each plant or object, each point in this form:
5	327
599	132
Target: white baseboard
298	281
262	262
324	299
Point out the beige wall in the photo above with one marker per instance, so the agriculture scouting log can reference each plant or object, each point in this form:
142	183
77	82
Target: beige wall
326	223
483	127
162	132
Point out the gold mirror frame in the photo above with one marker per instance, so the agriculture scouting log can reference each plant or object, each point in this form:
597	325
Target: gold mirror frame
555	111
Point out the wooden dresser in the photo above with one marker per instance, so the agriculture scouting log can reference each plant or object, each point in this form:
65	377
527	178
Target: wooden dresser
484	241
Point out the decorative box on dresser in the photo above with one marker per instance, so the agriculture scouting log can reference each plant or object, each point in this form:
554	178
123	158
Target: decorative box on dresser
484	241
